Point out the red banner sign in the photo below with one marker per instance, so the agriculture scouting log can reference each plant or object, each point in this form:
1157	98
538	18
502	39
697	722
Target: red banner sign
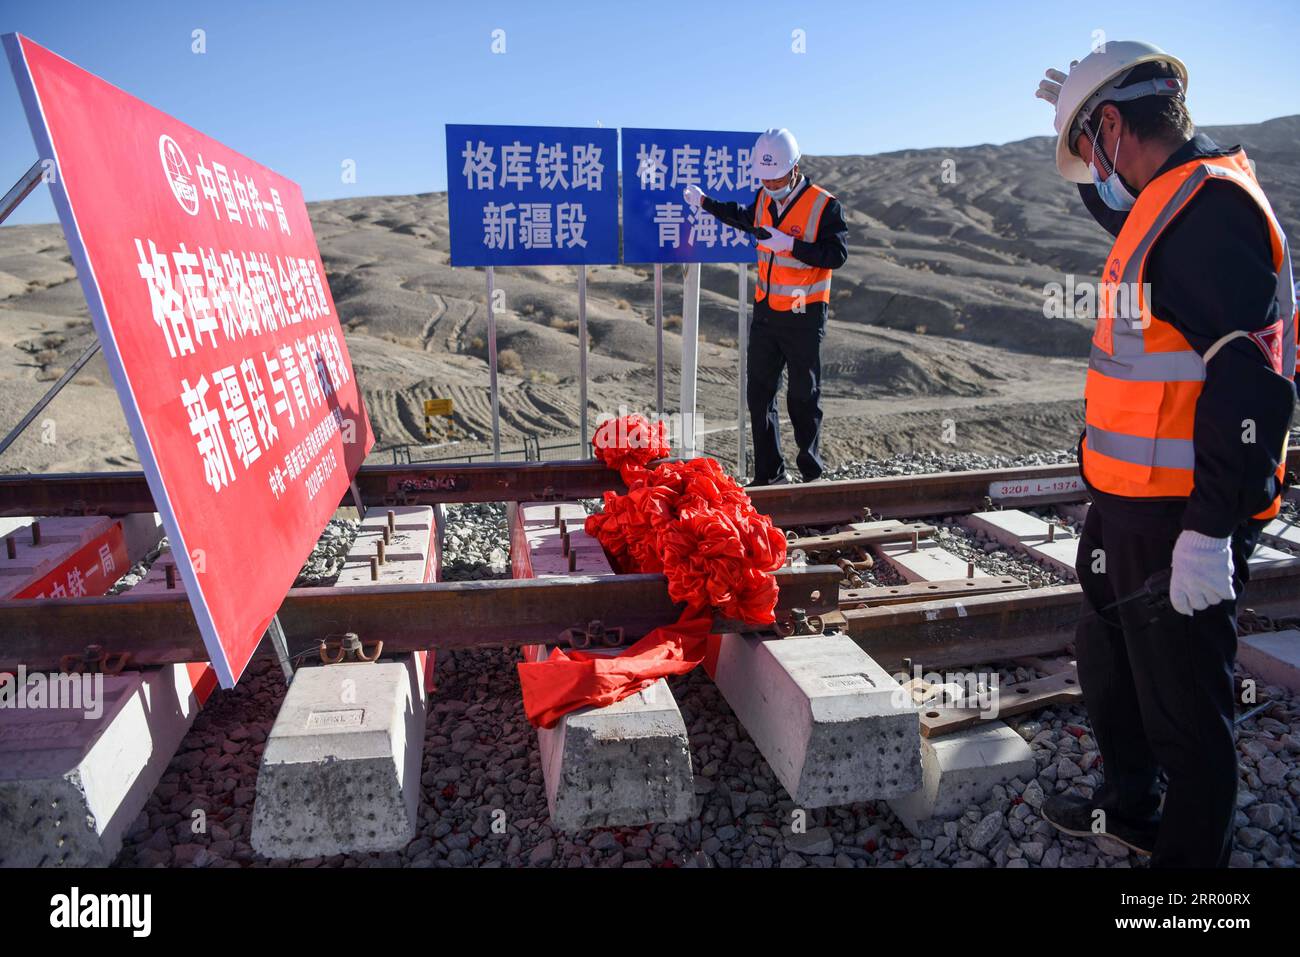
91	570
209	297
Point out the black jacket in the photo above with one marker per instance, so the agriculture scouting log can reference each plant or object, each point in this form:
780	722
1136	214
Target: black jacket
830	251
1211	273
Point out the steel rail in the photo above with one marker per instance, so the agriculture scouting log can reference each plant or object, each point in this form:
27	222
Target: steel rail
996	627
160	629
119	493
812	503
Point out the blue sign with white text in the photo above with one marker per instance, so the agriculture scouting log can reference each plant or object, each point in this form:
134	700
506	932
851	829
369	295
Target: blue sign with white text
658	225
532	195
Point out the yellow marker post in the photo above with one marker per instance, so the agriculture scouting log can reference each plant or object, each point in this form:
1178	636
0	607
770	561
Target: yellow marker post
439	407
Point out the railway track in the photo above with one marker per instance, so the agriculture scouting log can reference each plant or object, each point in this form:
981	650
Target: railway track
873	572
956	620
117	493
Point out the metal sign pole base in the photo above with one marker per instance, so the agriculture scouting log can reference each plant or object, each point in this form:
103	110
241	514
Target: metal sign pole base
275	632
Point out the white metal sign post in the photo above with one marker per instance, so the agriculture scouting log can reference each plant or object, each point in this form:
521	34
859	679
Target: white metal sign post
582	361
492	365
659	340
742	346
690	355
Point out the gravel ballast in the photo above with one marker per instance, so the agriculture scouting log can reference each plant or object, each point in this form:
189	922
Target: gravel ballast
484	804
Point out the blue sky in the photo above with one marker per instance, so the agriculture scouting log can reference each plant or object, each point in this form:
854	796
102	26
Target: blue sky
301	87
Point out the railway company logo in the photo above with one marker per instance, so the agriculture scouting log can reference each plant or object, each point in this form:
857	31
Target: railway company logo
75	910
1269	340
179	174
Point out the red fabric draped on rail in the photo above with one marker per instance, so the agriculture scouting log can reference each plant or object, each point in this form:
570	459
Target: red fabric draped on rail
691	522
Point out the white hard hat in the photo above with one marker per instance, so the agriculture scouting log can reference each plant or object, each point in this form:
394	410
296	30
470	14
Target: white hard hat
775	153
1091	82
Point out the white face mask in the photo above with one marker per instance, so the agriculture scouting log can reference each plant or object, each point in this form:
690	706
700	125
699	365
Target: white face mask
783	192
1112	190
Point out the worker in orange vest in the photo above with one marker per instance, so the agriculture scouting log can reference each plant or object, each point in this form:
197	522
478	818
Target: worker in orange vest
806	239
1189	400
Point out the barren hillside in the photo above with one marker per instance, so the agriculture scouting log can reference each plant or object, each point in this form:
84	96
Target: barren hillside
938	315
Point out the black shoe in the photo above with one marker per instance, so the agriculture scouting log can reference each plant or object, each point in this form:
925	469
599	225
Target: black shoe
1073	815
811	478
782	479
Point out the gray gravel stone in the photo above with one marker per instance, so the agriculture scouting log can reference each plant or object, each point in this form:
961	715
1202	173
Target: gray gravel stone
543	853
816	841
1268	816
481	770
1272	770
983	833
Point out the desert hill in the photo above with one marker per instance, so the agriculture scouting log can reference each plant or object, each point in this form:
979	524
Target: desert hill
937	318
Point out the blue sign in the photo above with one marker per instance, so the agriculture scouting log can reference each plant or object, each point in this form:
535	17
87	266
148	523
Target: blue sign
658	225
532	195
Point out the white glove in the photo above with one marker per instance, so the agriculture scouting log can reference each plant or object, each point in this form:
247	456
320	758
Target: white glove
778	242
1050	88
693	196
1202	572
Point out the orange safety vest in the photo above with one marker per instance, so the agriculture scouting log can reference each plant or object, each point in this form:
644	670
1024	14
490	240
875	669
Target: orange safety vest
787	284
1143	376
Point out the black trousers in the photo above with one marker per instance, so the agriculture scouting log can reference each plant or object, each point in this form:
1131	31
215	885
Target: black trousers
1159	691
792	343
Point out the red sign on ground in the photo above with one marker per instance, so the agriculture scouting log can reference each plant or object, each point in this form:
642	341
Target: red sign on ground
209	297
91	570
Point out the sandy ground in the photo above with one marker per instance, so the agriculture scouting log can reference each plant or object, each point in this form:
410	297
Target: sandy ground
937	342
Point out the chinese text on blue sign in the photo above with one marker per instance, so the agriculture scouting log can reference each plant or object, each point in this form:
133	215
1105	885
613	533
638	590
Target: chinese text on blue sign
658	225
532	195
